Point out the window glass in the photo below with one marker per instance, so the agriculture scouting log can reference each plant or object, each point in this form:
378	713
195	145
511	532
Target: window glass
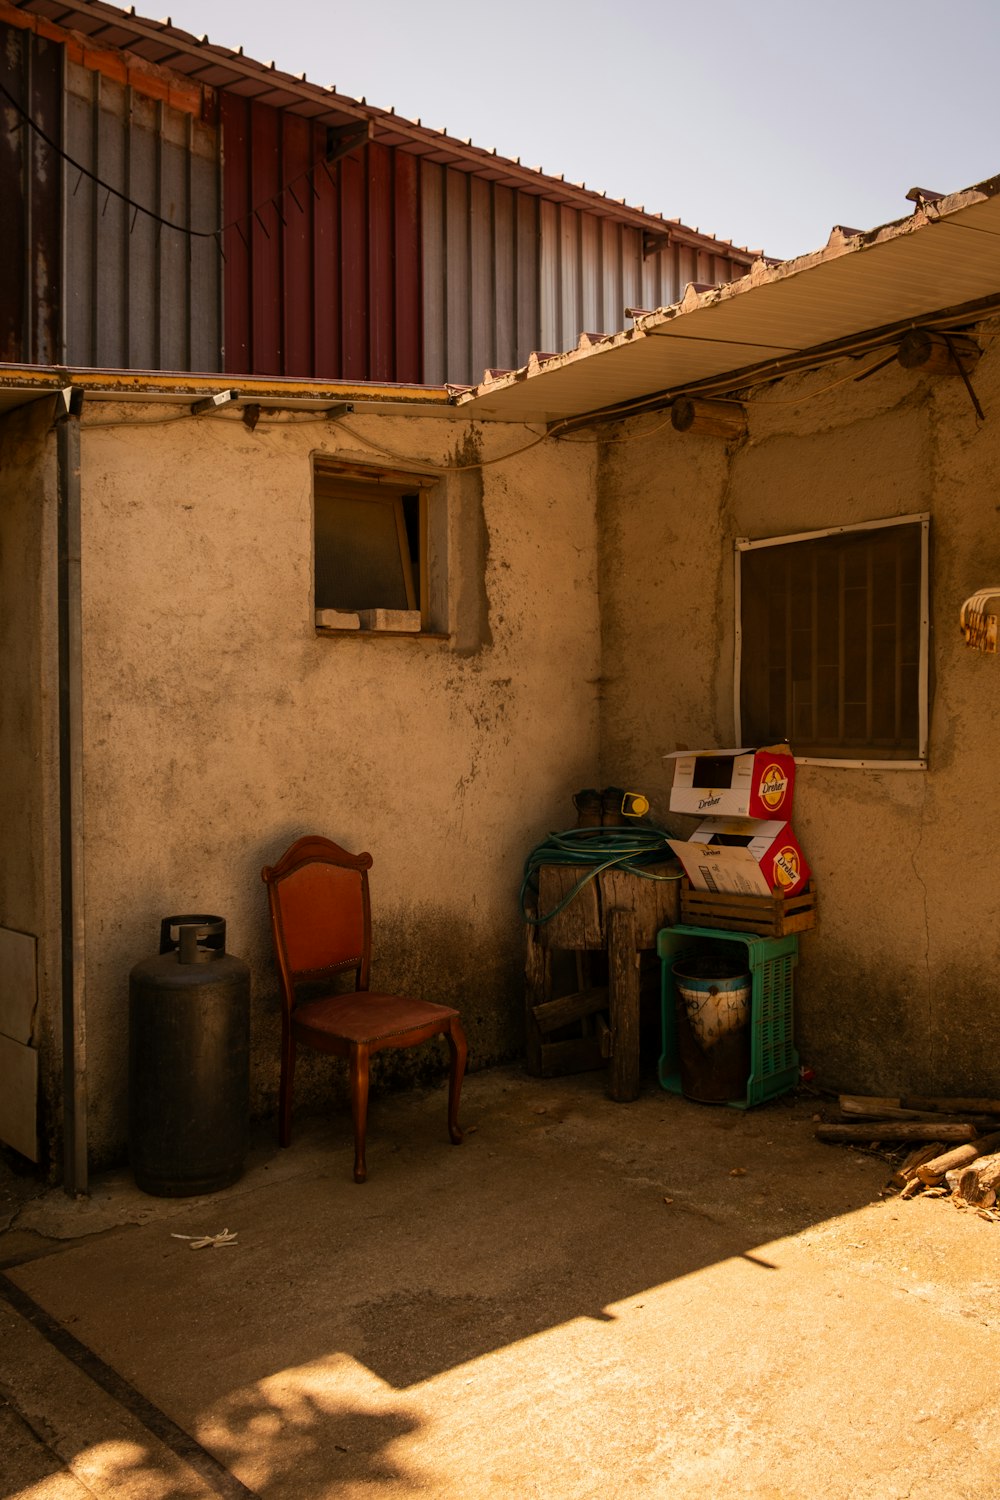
369	543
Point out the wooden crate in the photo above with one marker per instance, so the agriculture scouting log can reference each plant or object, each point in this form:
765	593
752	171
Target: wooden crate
767	916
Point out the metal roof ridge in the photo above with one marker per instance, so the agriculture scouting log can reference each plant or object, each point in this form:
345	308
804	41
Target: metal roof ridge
483	159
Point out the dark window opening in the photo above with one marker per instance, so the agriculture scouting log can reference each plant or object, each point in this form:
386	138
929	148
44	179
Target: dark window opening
370	542
832	643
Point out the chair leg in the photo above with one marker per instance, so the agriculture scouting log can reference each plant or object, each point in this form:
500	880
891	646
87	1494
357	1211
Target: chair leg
285	1087
459	1049
359	1108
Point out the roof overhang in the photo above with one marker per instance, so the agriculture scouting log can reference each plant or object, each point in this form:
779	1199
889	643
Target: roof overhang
943	260
21	384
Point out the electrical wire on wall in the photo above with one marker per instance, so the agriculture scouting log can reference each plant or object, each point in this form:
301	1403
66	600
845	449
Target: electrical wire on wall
303	181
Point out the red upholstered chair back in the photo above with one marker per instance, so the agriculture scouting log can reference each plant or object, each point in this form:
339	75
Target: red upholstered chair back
320	912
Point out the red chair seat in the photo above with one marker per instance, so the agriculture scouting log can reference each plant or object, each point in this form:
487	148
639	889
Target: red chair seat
368	1017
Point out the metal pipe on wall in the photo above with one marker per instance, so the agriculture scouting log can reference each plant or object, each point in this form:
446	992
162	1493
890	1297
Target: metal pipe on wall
74	1029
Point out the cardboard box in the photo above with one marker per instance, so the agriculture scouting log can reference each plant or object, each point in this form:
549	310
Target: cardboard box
743	856
734	783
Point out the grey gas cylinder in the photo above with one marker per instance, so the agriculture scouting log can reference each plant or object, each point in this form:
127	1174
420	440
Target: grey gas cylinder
189	1061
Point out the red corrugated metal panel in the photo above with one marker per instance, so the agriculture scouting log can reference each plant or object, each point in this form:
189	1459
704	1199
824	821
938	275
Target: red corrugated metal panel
380	263
325	200
297	244
236	240
406	211
354	269
265	241
323	277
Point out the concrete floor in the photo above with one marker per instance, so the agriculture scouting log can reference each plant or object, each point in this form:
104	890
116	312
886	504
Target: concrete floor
586	1299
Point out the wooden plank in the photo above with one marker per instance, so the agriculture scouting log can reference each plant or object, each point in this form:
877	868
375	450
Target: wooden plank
579	924
623	984
656	903
896	1130
767	916
979	1181
907	1169
934	1171
536	991
565	1009
952	1106
863	1107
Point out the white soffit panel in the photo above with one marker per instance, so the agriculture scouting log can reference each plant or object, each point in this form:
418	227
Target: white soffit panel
944	256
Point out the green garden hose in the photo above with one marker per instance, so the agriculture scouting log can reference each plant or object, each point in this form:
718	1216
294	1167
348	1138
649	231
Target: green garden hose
596	849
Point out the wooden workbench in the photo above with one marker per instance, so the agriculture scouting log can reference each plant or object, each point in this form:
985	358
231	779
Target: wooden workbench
618	913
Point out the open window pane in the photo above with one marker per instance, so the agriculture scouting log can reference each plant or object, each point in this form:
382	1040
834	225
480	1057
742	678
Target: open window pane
359	561
370	543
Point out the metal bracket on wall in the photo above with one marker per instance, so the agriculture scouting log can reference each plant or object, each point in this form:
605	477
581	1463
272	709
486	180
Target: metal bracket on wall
69	403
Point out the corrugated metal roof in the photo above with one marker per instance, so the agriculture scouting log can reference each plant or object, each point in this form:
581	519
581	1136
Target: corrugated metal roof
206	63
943	257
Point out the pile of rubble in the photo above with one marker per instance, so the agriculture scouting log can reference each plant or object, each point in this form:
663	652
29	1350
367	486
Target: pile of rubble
954	1145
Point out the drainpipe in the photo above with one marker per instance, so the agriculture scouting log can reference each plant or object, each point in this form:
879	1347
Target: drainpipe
74	1029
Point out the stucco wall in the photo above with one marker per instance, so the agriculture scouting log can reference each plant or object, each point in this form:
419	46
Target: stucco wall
898	987
29	810
219	726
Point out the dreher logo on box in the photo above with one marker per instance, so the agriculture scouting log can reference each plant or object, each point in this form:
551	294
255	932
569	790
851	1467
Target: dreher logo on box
787	869
773	786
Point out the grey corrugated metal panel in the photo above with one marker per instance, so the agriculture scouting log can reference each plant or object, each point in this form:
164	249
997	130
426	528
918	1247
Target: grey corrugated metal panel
591	273
108	226
505	274
631	253
529	239
505	282
549	282
140	246
138	294
174	321
571	317
484	271
79	248
614	298
434	261
31	71
457	288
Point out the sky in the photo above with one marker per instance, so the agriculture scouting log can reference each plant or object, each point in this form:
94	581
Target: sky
762	124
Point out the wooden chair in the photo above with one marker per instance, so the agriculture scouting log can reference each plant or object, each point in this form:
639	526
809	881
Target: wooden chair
321	923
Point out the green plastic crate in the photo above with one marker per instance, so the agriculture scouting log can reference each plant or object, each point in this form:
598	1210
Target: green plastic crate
774	1062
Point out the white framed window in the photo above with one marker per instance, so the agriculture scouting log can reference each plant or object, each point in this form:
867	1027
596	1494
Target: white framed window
371	549
832	643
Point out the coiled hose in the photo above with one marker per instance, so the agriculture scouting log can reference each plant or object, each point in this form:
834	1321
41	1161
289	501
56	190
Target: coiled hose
596	849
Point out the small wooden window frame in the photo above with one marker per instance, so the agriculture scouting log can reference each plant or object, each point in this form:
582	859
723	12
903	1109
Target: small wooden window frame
389	487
